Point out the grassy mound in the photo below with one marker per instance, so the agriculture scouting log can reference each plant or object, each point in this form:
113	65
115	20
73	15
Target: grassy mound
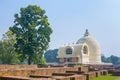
106	77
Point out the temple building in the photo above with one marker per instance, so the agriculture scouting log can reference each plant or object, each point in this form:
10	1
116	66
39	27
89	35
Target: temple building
85	51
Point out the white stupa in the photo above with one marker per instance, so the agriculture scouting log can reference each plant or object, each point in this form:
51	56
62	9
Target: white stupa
85	51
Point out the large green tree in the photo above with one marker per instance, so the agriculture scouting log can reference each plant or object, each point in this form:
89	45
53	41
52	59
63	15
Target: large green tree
33	32
7	50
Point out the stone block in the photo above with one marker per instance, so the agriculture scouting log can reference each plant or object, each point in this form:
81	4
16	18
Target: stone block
83	69
62	74
105	72
89	75
98	73
14	78
60	78
78	77
76	72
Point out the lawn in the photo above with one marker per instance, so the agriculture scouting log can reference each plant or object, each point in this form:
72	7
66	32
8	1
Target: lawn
106	77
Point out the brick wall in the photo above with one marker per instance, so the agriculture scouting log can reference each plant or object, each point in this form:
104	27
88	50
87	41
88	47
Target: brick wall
26	70
16	66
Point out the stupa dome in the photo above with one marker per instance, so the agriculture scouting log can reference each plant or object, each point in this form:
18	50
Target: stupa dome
93	45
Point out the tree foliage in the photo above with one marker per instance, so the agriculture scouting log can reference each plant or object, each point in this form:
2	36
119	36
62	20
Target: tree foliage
7	50
112	59
104	59
33	32
51	56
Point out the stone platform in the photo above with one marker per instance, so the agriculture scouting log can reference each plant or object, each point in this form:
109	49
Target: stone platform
49	73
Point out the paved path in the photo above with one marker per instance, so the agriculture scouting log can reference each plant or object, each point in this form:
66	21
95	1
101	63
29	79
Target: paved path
118	78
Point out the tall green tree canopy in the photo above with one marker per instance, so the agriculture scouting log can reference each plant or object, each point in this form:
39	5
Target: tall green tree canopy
7	50
33	32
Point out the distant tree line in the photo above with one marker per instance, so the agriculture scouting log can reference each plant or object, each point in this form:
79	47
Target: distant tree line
51	56
112	59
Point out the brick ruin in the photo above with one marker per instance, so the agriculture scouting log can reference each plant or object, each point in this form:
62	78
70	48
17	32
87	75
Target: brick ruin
34	72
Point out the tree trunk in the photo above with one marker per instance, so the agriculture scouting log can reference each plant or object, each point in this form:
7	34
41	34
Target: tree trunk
29	61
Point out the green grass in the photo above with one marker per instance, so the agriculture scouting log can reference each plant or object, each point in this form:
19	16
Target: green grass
106	77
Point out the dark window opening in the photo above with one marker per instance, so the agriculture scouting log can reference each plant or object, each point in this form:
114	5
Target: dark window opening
85	50
68	51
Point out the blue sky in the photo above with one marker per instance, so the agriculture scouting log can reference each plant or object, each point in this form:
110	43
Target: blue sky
70	18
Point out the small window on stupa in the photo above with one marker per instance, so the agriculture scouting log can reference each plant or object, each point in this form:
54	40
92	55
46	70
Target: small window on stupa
68	51
85	50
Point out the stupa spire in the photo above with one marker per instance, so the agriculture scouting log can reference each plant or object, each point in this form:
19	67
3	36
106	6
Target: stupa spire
86	33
